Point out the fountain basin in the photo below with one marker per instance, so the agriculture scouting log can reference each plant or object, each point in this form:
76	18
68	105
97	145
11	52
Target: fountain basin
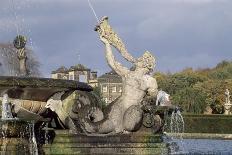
17	137
29	95
37	89
15	128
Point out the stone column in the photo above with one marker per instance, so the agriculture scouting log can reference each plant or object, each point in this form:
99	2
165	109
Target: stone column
22	62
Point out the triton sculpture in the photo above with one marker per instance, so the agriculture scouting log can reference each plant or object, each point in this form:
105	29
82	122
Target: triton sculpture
125	113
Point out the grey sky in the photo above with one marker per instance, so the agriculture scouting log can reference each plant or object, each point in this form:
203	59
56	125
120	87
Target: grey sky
180	33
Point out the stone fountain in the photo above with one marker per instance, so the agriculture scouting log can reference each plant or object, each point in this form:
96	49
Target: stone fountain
67	117
132	124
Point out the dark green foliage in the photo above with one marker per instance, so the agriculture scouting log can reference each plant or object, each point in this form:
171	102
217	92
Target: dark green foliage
191	100
208	124
222	71
194	90
97	91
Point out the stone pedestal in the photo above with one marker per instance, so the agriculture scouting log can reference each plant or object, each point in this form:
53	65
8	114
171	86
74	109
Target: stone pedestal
227	108
136	143
15	137
227	105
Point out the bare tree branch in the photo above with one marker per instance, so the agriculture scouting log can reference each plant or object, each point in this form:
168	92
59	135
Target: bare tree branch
10	62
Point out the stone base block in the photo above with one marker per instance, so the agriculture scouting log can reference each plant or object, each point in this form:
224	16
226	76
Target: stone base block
137	143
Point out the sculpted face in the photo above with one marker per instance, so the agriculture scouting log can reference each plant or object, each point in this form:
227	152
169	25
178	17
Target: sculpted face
146	61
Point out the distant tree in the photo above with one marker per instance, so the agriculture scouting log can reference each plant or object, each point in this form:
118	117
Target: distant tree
214	91
222	71
223	64
190	100
162	80
194	90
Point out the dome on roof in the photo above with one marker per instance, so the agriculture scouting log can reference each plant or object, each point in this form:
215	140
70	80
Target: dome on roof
79	67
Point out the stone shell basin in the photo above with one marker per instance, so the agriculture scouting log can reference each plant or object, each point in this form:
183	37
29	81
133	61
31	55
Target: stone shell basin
31	93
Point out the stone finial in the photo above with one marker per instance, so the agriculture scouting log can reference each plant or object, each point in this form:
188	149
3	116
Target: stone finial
227	104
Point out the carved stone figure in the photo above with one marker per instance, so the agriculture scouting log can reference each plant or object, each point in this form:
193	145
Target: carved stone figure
125	113
19	44
227	93
227	105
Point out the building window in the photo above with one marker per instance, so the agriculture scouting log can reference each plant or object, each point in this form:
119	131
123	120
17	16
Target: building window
114	90
120	89
104	89
110	99
59	76
71	77
83	78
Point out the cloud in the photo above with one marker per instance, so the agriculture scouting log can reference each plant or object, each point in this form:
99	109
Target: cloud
180	33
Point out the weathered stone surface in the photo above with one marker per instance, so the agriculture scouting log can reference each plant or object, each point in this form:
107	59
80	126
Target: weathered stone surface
124	114
200	136
13	128
14	146
137	143
15	137
37	89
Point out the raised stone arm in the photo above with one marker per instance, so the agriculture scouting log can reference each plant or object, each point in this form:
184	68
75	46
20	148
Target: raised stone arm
104	29
116	66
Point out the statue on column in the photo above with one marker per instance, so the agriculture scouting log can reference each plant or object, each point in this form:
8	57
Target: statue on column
124	114
227	104
227	93
20	43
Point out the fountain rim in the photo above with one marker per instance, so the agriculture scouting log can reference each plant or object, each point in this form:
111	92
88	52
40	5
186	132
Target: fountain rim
37	82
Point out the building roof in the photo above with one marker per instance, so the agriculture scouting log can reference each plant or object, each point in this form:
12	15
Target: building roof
62	69
79	67
110	77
